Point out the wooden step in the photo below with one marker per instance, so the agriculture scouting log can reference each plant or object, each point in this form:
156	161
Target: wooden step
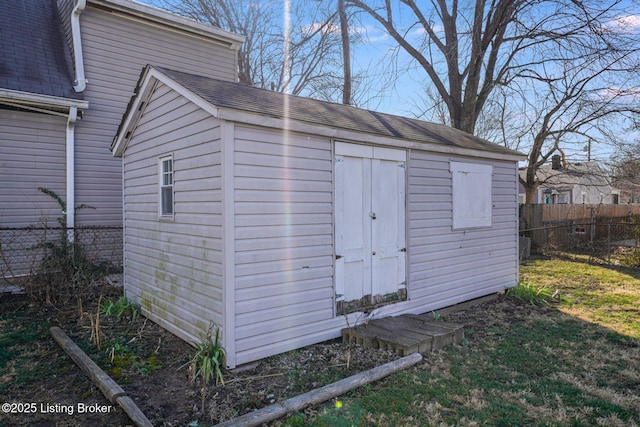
405	334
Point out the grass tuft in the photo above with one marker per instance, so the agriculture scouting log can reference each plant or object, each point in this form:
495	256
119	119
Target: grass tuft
534	295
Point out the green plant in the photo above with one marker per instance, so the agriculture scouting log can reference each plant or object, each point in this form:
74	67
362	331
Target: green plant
107	307
528	292
122	307
208	361
65	267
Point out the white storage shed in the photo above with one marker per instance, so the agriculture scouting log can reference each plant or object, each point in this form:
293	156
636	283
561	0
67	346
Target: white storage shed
280	218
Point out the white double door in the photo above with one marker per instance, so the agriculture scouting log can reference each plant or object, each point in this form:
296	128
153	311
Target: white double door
369	221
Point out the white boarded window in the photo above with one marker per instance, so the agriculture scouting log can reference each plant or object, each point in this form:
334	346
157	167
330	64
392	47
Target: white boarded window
471	195
166	186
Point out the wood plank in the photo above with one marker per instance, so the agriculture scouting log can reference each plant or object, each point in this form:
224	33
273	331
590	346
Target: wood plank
404	334
314	397
111	390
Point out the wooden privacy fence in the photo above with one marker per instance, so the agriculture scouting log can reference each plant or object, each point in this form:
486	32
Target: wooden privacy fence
566	227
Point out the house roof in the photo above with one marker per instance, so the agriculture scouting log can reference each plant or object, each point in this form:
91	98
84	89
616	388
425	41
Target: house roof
151	13
35	58
224	95
572	174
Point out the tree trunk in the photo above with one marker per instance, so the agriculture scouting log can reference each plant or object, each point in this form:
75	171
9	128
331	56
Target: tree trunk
346	53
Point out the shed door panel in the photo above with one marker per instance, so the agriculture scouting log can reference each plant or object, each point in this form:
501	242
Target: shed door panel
353	236
388	228
369	224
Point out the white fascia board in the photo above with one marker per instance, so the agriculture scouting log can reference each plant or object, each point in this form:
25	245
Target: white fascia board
34	99
150	13
358	137
151	77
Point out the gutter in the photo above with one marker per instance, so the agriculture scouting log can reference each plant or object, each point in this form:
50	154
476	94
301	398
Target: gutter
46	103
70	154
80	82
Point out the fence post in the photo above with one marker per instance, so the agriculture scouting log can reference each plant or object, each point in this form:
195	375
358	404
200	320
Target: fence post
570	240
609	242
592	228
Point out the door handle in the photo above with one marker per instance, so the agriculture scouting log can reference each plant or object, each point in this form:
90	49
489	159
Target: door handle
373	253
372	215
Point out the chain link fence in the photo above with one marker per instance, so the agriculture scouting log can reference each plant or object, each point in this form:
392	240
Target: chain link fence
57	255
614	240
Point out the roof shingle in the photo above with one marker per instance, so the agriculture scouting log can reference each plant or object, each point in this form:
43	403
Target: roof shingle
241	97
35	57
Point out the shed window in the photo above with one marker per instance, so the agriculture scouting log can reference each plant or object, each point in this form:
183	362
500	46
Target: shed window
166	186
471	195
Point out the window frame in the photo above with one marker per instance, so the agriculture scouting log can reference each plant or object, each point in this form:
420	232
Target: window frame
162	186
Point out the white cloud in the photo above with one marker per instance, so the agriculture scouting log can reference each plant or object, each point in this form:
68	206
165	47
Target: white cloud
624	24
632	94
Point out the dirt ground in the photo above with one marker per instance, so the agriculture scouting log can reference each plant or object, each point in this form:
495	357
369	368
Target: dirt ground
149	363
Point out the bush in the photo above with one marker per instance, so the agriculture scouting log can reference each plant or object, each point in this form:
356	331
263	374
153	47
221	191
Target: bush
65	269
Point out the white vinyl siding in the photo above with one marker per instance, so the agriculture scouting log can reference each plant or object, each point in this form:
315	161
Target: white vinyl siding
283	231
32	155
251	247
174	269
115	50
447	267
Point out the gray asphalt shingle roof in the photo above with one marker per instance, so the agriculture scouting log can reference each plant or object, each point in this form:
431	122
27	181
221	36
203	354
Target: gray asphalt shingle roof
34	55
237	96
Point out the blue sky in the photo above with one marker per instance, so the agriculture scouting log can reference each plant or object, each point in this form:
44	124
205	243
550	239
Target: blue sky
404	93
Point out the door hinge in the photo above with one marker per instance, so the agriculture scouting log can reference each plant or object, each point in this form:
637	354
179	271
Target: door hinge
338	256
403	250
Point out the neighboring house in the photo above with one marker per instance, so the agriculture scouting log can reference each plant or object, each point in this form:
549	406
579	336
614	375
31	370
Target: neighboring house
629	191
280	219
572	183
66	74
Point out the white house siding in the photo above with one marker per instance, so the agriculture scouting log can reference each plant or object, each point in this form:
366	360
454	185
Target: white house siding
447	267
284	241
115	50
173	267
32	155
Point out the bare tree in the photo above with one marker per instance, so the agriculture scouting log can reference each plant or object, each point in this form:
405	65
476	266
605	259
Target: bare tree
464	49
626	172
468	48
576	92
532	74
286	49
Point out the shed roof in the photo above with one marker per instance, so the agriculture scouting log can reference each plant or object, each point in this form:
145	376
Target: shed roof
35	58
243	98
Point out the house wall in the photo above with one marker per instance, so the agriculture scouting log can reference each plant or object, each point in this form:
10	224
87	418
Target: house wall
284	241
115	49
594	194
32	155
450	266
173	268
